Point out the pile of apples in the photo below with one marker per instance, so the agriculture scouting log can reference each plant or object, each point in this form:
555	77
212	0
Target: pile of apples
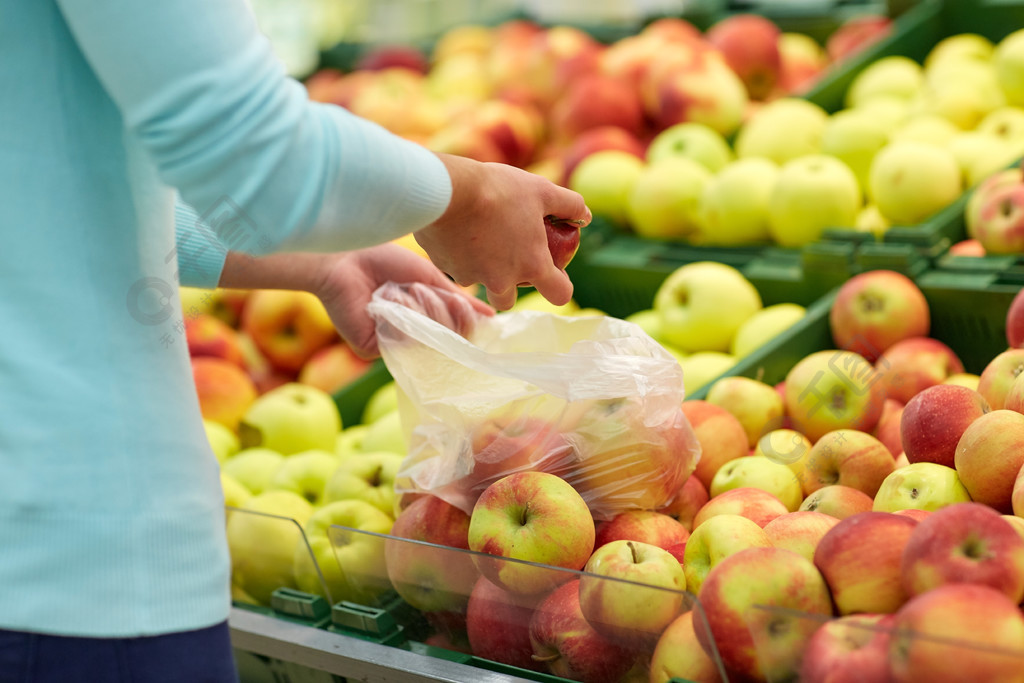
911	139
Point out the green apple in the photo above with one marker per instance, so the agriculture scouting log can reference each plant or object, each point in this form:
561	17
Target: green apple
692	140
895	75
702	367
782	130
1009	64
960	46
961	91
254	468
382	401
759	472
734	207
910	181
631	591
702	305
385	434
870	219
931	129
854	137
262	536
223	441
973	150
664	202
290	419
757	405
350	563
715	539
813	193
369	477
306	474
605	179
890	111
350	440
1006	123
648	320
920	486
765	325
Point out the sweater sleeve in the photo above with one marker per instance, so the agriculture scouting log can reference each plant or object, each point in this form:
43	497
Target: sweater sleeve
200	253
200	87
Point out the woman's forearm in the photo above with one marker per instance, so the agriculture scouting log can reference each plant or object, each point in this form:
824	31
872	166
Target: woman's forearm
298	271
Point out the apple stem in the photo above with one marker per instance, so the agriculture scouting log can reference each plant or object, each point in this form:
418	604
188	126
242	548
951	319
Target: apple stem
632	549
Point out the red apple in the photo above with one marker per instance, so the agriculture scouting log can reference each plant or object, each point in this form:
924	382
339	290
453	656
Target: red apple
860	559
1018	494
647	526
989	455
996	379
721	436
287	326
799	531
593	101
690	498
888	428
830	390
333	367
208	336
874	310
1015	321
802	61
380	57
911	365
857	34
672	29
225	390
750	44
595	140
934	420
967	248
958	632
850	649
964	543
846	457
498	625
565	642
756	505
563	241
913	513
838	501
999	225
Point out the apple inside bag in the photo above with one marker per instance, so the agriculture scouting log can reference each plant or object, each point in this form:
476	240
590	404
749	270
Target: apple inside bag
593	399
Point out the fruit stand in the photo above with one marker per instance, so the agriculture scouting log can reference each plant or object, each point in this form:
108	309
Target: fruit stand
824	259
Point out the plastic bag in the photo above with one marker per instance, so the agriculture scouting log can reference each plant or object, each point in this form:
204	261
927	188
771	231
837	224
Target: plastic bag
592	399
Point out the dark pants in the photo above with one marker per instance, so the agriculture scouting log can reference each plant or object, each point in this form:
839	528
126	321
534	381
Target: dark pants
202	656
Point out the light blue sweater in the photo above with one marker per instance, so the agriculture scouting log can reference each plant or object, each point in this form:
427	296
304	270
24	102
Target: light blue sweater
111	514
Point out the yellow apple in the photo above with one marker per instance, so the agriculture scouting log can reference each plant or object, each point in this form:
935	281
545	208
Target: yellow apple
702	367
664	201
782	130
605	179
895	75
254	468
734	207
692	140
765	325
813	193
1009	63
854	137
223	441
910	181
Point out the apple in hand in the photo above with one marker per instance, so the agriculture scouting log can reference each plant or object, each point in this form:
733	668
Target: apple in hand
989	455
934	420
648	526
757	505
874	310
830	390
964	543
860	558
749	597
837	501
569	646
291	419
799	531
563	240
647	597
534	517
920	485
849	649
714	540
679	655
957	632
498	625
847	457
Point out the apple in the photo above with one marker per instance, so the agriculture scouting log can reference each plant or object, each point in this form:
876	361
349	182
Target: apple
965	543
385	434
306	474
382	401
847	457
720	434
498	625
223	442
964	379
914	364
605	179
1018	495
569	646
515	128
333	368
998	225
910	181
1007	124
209	336
782	130
755	504
750	44
934	420
785	446
765	325
690	498
369	477
1008	59
981	193
998	376
235	492
736	201
694	141
851	648
262	537
423	558
855	137
703	303
830	390
703	367
255	468
799	531
349	564
647	526
855	34
290	419
715	539
749	598
874	310
812	193
1015	321
225	390
350	440
957	47
664	200
802	62
989	455
645	595
288	326
860	559
599	139
913	513
595	100
755	404
889	424
957	632
386	56
760	472
678	654
563	241
838	501
894	75
533	517
921	485
464	138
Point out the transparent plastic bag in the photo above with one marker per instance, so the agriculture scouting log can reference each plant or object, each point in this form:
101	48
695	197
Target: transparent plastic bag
592	399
